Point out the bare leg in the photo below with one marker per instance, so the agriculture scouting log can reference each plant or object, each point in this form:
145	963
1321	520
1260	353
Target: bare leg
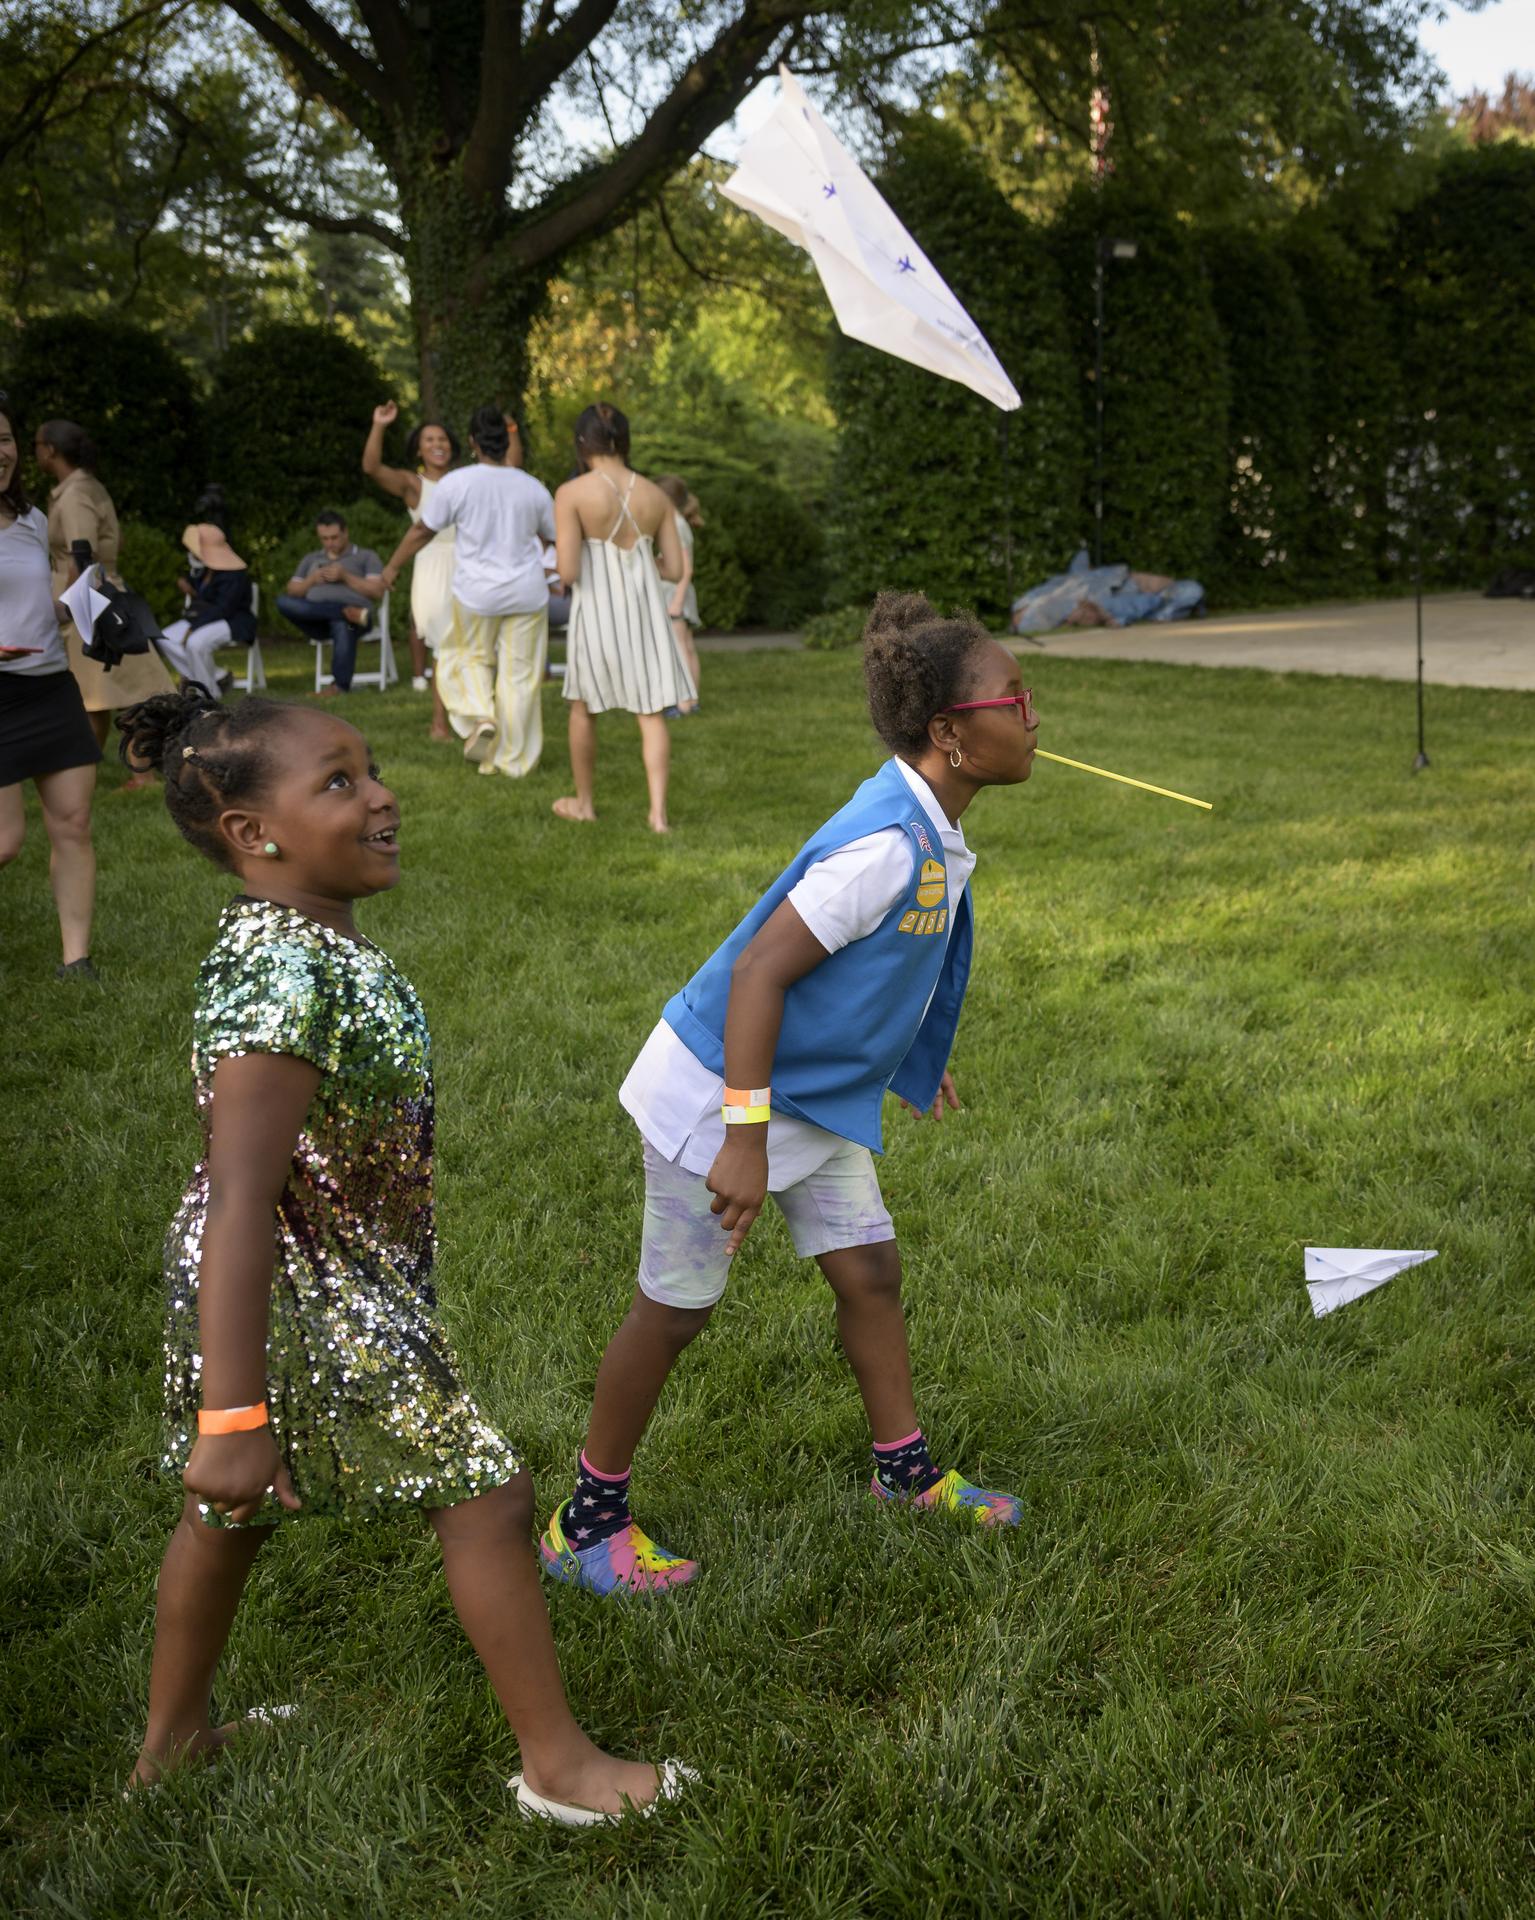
487	1555
583	764
682	633
101	725
417	652
872	1329
201	1579
439	729
656	749
66	799
13	823
633	1371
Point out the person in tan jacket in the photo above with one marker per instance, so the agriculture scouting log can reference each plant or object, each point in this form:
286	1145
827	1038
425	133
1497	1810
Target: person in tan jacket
80	508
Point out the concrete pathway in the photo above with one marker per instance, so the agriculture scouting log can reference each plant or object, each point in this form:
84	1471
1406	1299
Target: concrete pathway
1467	641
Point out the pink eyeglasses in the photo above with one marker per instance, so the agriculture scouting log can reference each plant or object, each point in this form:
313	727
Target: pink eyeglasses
1024	702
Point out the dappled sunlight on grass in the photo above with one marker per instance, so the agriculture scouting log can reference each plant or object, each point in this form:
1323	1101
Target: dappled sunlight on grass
1268	1624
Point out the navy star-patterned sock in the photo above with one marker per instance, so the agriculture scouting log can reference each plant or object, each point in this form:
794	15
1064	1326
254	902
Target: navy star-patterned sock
599	1506
903	1467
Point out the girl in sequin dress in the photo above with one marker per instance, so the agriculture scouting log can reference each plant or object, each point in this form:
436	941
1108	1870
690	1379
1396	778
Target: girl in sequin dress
305	1370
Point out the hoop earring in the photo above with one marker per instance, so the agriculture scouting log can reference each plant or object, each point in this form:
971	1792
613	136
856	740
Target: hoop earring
955	757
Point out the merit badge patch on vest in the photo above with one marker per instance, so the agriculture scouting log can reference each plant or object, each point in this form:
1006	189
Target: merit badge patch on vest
930	884
914	922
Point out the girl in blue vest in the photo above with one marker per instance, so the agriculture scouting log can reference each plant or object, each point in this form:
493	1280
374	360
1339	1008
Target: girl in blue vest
768	1072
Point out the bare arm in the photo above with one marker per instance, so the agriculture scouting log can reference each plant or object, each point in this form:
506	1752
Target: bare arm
260	1102
399	481
419	536
675	607
372	586
299	584
568	538
670	543
783	950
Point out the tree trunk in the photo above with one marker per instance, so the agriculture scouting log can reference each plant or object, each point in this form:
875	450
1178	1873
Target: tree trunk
472	313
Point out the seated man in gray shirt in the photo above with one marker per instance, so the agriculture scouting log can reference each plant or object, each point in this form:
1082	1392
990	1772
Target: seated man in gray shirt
332	595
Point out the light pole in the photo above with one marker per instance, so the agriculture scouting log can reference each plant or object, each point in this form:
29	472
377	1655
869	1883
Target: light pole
1105	251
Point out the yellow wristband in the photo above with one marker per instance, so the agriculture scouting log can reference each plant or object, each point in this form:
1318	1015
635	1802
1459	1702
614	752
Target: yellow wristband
747	1116
238	1420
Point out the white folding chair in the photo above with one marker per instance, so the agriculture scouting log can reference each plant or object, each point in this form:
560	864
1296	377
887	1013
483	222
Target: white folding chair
255	669
377	629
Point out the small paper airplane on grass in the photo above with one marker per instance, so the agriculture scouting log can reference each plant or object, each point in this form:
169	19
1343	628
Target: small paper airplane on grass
1336	1275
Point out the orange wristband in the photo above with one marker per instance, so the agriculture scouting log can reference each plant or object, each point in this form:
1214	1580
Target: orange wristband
240	1420
747	1097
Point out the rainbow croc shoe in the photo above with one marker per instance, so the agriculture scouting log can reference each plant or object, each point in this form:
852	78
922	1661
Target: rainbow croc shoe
952	1494
626	1562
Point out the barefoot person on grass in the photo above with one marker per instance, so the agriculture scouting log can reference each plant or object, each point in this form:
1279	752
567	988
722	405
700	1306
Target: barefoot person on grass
306	1373
490	662
768	1073
620	651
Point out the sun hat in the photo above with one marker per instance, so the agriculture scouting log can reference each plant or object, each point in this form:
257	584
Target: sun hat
209	544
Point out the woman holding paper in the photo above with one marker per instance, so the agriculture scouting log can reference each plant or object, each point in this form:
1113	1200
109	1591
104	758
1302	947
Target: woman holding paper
45	736
80	508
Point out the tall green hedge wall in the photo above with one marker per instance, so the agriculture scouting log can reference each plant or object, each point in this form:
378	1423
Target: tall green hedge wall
1288	412
926	492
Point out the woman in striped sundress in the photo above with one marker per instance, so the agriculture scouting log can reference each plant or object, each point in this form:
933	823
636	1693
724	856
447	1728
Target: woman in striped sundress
620	651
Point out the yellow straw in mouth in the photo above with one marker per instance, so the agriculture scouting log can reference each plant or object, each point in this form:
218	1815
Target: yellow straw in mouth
1124	778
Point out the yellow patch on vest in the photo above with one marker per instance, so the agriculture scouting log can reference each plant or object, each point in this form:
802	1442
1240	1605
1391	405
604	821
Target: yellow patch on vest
930	884
914	922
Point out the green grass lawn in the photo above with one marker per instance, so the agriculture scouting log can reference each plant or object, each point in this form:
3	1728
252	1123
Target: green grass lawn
1267	1642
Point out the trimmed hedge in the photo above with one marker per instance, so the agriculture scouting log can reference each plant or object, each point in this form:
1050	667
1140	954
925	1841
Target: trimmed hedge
1166	380
1340	547
151	562
761	557
131	395
931	480
1269	422
287	418
1461	288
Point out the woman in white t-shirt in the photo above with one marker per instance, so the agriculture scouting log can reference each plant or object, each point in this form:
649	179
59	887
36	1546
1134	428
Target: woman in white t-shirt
491	661
45	734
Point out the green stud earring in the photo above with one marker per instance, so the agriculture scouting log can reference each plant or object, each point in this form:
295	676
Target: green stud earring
270	847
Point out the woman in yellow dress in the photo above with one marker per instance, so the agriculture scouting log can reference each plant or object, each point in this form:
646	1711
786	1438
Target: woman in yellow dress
80	508
430	452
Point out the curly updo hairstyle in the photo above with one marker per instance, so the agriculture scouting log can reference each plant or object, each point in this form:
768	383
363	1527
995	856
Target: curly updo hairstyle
916	662
490	433
209	755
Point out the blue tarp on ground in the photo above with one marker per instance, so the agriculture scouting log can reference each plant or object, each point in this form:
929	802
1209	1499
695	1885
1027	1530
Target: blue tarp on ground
1085	595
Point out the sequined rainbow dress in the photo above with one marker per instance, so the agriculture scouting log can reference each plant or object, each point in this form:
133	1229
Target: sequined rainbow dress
363	1390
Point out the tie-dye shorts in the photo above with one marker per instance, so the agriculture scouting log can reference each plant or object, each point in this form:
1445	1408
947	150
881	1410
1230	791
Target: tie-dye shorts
683	1262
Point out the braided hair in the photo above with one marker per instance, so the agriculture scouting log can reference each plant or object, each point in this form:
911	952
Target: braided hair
209	755
916	662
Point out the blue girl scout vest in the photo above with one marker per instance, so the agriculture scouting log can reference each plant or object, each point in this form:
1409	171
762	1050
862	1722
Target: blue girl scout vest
855	1024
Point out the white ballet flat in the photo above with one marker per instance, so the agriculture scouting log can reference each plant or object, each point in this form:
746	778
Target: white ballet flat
533	1806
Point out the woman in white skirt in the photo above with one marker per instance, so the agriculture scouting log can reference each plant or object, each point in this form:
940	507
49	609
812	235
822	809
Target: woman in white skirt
431	451
620	649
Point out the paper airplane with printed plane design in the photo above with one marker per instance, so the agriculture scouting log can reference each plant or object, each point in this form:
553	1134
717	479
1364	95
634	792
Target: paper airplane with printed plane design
796	175
1336	1275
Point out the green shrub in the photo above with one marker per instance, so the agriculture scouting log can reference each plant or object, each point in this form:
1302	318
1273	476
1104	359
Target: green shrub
1340	542
132	396
1459	280
1268	429
934	487
842	627
763	537
287	418
1166	385
151	562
